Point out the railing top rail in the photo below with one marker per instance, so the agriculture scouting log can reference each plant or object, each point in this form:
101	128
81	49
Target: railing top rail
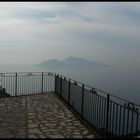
8	73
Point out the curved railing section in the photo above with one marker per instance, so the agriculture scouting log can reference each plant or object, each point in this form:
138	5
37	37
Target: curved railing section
108	115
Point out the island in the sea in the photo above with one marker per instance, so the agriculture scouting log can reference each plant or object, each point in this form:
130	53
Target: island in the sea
70	62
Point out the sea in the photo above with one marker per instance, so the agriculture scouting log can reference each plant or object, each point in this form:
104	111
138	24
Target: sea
118	82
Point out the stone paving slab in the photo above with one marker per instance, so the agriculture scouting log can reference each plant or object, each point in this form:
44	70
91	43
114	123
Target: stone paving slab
39	116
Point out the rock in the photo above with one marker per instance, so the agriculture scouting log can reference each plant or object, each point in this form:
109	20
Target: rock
32	125
32	136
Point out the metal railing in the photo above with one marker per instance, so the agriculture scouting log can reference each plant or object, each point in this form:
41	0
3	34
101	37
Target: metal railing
27	82
106	114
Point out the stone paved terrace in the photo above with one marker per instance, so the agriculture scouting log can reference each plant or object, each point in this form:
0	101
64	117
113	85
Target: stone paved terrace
39	116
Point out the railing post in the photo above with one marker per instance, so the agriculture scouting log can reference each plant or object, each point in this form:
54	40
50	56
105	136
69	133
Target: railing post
42	82
69	92
16	84
82	105
107	112
55	83
55	86
61	85
137	120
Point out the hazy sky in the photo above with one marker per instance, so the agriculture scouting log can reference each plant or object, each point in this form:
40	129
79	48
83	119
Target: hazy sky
104	32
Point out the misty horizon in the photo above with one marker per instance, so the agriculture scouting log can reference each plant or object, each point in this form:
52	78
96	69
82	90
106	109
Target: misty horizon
98	32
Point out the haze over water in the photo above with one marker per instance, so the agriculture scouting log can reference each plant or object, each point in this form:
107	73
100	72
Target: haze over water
111	80
105	33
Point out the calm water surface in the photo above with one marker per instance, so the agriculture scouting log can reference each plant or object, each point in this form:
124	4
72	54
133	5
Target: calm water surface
123	83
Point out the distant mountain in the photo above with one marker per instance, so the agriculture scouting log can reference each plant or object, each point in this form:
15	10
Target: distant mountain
75	61
52	63
70	62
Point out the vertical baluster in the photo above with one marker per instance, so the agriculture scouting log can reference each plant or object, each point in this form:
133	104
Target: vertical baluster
82	105
42	82
97	112
61	86
127	121
95	109
100	111
102	117
107	112
132	122
55	80
110	117
69	92
16	84
123	121
137	120
116	126
120	119
113	117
